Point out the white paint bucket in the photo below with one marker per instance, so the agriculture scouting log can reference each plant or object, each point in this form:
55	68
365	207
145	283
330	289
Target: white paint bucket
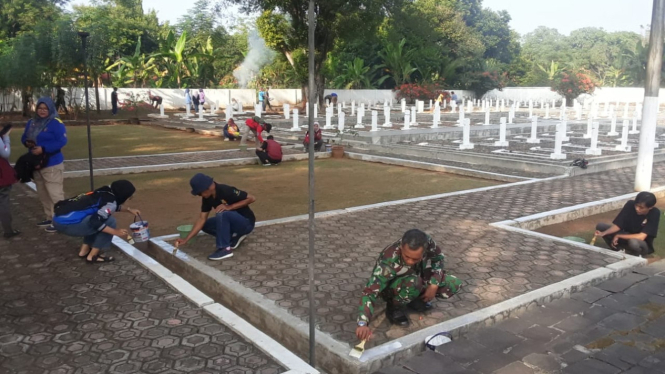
140	230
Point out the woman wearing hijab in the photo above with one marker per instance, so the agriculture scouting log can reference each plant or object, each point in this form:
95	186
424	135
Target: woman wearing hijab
90	216
46	135
202	97
195	100
188	99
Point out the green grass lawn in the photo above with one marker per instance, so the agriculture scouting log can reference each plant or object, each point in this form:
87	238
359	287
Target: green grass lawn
128	140
585	228
281	191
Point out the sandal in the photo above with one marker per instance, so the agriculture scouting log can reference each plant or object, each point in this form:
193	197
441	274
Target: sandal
11	234
85	256
99	259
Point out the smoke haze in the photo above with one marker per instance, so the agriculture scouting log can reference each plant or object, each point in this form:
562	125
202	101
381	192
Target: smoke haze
257	57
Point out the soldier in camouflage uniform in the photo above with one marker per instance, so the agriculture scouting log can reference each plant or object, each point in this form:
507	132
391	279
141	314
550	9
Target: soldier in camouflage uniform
409	273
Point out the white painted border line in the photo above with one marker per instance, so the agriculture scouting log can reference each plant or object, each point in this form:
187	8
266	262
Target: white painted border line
260	340
330	213
571	208
184	165
269	346
152	155
400	162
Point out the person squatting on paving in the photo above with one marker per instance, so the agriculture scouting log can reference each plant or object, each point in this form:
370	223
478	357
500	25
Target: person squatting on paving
634	228
233	219
408	273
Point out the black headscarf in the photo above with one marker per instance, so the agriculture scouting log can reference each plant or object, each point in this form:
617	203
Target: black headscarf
123	190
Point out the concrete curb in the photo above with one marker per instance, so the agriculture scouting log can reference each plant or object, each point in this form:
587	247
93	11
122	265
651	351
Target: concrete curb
185	166
436	167
269	346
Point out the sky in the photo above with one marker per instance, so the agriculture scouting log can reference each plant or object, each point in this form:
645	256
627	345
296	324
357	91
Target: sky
563	15
569	15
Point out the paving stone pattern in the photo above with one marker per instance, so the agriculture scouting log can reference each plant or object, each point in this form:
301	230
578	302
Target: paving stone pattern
182	158
494	264
615	327
59	314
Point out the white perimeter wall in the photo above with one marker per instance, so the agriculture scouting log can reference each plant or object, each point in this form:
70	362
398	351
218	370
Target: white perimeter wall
175	98
600	95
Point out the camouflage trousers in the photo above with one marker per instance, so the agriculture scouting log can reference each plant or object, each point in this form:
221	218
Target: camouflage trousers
405	289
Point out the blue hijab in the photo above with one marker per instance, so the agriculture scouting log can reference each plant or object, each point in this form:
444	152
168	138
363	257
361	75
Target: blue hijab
38	124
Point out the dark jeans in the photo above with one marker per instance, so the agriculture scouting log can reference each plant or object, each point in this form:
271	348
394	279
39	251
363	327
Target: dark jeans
223	225
263	156
229	136
633	246
317	145
263	105
5	212
114	108
61	104
91	236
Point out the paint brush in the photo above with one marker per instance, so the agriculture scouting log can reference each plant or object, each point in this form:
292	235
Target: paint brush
175	248
130	240
593	241
358	350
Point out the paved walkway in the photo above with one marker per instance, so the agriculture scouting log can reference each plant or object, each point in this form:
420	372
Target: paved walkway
164	159
616	327
59	314
495	264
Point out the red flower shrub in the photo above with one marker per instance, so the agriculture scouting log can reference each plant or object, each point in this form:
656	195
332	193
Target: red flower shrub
573	85
414	91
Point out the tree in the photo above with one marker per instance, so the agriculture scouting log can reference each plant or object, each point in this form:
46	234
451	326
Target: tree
335	20
18	16
358	76
398	62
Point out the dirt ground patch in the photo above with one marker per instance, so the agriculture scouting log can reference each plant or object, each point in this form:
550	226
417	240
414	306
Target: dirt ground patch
281	191
585	228
128	140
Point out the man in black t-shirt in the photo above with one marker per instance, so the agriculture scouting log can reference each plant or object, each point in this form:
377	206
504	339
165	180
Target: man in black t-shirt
233	219
635	228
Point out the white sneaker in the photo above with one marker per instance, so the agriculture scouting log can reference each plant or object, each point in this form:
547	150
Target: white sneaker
268	164
226	139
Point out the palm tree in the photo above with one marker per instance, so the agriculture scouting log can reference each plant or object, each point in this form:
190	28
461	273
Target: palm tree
398	61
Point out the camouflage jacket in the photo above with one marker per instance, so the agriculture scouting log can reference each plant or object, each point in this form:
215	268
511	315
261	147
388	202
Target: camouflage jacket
390	265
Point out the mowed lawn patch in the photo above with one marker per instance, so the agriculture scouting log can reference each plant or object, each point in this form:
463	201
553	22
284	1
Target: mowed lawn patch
128	140
280	191
586	227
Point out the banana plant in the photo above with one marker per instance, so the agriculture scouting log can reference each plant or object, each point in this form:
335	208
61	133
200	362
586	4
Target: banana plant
134	69
552	72
172	55
355	75
398	62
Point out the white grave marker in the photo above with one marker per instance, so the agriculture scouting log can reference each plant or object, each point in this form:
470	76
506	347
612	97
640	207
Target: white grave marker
634	130
287	111
375	120
533	139
466	131
558	140
340	121
502	134
594	150
624	147
386	115
407	121
589	128
613	126
295	126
